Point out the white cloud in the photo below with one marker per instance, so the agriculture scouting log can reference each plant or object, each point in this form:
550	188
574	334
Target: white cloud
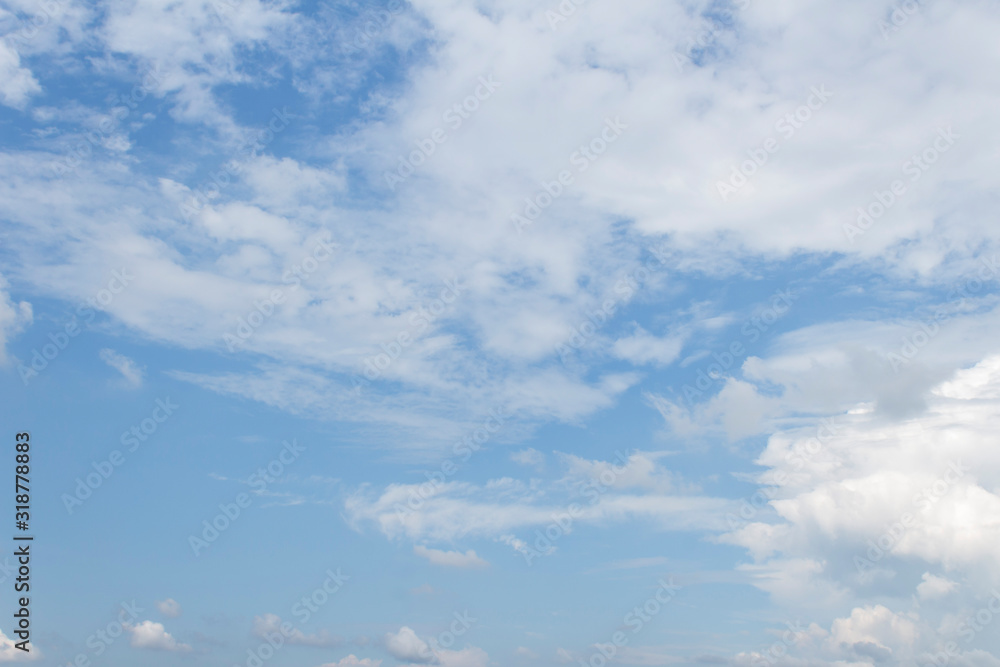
191	49
635	488
859	500
153	636
10	653
933	587
467	657
14	317
644	348
526	293
451	558
528	457
124	365
169	608
874	632
634	469
353	661
406	645
17	84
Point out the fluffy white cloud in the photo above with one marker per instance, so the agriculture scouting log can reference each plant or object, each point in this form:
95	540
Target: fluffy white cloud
406	645
153	636
864	506
871	631
10	653
469	559
933	587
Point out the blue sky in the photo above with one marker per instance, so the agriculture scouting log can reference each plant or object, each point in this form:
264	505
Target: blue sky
502	333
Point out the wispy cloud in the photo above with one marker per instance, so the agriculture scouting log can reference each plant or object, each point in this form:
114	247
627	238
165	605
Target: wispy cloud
129	370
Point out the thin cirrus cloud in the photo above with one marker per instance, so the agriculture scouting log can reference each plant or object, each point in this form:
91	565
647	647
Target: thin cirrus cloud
467	560
129	370
353	661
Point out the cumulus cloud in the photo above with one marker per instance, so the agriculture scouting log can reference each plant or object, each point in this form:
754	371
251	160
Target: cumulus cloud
858	493
406	645
933	587
10	653
153	636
